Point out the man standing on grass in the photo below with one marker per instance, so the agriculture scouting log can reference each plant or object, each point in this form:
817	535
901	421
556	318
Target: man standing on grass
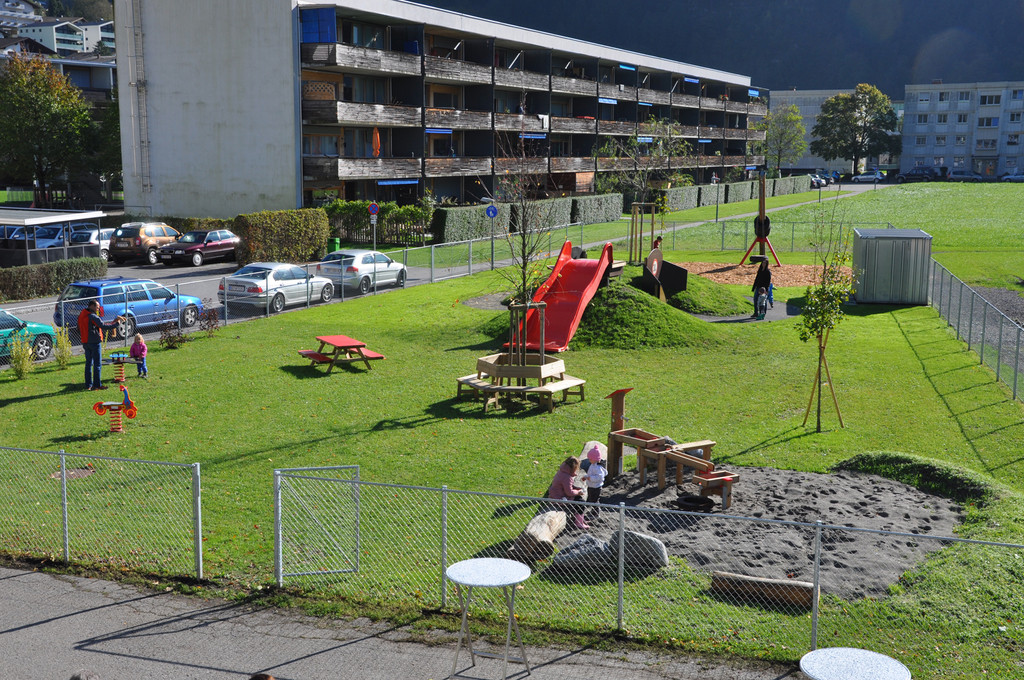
91	343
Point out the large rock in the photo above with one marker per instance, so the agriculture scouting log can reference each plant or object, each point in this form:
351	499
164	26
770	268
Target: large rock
641	550
586	552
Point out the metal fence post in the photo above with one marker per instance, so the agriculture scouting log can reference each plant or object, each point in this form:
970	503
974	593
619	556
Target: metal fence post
64	505
431	262
723	237
622	561
309	287
999	347
939	306
959	310
970	322
444	544
816	591
224	288
792	238
177	304
278	540
197	519
470	257
1016	364
984	323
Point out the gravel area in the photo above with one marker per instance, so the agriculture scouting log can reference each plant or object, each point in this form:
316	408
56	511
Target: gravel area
1009	302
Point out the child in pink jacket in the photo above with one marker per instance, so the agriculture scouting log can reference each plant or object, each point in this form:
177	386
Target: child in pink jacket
563	488
138	352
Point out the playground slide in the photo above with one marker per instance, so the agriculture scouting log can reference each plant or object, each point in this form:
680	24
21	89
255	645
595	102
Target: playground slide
567	292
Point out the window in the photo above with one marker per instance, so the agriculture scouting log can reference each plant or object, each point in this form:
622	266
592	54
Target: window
137	293
961	117
1011	162
1017	94
113	295
988	122
158	292
1015	117
939	161
365	90
958	161
444	99
363	35
318	25
921	140
1012	140
985	144
359	143
922	118
940	140
924	97
319	145
960	140
990	99
507	102
943	96
942	118
561	107
964	96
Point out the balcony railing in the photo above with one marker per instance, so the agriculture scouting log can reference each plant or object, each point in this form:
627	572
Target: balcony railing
458	119
360	59
521	80
606	164
444	167
518	166
757	109
561	84
688	101
440	68
615	127
351	113
583	125
519	122
571	164
316	168
619	92
655	96
683	161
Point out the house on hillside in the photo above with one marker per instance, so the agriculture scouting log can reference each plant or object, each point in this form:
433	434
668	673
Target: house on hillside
71	35
17	13
277	104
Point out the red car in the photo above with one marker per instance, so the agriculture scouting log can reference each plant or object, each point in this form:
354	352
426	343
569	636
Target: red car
198	246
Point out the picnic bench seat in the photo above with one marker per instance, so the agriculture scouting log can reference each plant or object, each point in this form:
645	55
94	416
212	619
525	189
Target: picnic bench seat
371	355
314	356
477	384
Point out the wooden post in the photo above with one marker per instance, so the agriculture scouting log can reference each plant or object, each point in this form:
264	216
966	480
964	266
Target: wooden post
618	398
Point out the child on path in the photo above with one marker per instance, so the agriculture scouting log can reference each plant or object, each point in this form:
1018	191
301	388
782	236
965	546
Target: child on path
138	352
562	488
595	476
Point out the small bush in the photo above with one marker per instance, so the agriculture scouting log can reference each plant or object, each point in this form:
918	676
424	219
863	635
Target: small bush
171	336
209	320
22	358
62	347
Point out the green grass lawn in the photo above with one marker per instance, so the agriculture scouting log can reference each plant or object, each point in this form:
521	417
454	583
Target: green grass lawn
242	404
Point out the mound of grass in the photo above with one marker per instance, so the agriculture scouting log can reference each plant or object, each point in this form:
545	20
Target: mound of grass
700	297
622	317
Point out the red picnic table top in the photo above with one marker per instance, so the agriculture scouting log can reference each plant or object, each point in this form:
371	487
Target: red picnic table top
341	341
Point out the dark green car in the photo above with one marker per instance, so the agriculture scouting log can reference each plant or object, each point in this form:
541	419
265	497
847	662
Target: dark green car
39	334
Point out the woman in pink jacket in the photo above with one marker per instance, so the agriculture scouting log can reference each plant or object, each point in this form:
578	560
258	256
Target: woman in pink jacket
562	488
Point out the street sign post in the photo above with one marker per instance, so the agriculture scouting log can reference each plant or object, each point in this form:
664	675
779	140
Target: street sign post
374	209
492	212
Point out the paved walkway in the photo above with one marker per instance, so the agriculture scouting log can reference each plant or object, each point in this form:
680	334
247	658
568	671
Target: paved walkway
53	626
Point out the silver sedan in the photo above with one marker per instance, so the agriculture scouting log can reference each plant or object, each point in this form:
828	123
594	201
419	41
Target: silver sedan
361	269
273	285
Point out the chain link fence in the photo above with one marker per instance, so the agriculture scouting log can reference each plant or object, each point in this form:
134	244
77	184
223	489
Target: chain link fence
114	512
995	337
687	578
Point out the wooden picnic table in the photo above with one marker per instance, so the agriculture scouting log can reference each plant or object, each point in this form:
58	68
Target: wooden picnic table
343	350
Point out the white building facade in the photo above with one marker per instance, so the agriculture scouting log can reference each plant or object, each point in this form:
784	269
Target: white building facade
276	104
974	126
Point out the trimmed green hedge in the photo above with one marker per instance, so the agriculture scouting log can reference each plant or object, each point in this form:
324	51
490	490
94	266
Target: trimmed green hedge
709	195
43	280
596	209
741	191
551	212
681	198
282	236
462	224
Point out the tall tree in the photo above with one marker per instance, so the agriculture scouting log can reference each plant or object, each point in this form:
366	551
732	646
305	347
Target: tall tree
855	126
642	158
42	129
784	138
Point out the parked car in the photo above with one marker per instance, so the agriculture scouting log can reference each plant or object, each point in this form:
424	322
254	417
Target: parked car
198	246
140	239
142	302
919	174
83	226
39	334
815	181
1015	176
961	175
96	237
869	177
273	285
50	237
359	269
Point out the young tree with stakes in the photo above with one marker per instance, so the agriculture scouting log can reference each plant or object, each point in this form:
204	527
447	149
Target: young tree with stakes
823	306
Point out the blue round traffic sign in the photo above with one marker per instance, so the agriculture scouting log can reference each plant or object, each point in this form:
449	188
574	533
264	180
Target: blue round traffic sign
374	208
492	212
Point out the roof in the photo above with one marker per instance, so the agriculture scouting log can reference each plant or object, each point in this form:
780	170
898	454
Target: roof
22	217
35	46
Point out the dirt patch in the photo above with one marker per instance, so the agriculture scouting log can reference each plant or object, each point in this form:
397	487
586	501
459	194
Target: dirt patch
854	564
495	301
797	275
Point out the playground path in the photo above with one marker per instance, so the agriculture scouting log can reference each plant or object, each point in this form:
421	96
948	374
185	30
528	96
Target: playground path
55	625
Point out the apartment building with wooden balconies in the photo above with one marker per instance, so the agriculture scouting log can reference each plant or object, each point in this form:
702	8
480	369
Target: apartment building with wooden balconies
389	99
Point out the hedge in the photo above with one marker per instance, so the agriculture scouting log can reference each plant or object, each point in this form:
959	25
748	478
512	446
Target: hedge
462	224
403	225
202	224
550	212
681	198
709	194
42	280
282	236
741	191
596	209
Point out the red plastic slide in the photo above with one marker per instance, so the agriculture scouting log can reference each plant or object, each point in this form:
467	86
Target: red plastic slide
567	291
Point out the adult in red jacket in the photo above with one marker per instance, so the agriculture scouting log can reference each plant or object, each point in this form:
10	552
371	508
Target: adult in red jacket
563	488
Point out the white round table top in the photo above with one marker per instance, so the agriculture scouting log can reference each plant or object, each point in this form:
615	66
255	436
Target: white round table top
488	572
848	663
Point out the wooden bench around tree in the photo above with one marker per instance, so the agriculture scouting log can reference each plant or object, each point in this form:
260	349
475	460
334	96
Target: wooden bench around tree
478	385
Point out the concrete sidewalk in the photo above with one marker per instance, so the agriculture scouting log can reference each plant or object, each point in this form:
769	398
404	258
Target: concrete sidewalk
53	626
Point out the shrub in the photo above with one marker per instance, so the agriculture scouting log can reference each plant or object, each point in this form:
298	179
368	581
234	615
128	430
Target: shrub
742	191
42	280
681	198
462	224
282	236
350	220
209	320
62	347
171	336
21	355
551	212
711	194
596	209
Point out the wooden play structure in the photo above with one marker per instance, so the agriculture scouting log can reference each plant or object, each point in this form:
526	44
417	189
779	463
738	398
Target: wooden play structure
762	226
637	220
650	448
539	375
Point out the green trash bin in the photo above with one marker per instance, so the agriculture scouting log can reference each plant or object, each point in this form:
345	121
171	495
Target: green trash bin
333	244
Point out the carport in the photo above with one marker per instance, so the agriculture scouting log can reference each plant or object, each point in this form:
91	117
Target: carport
22	251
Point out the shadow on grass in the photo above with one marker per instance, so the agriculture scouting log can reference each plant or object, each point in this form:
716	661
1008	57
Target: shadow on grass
468	407
67	389
789	435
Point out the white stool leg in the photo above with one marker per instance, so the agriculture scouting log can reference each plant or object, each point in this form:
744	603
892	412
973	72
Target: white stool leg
463	629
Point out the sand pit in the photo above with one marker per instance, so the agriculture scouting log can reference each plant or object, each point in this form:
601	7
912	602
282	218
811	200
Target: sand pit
853	564
797	275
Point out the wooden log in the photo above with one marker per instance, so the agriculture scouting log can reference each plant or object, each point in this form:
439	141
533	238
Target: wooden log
757	590
537	541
